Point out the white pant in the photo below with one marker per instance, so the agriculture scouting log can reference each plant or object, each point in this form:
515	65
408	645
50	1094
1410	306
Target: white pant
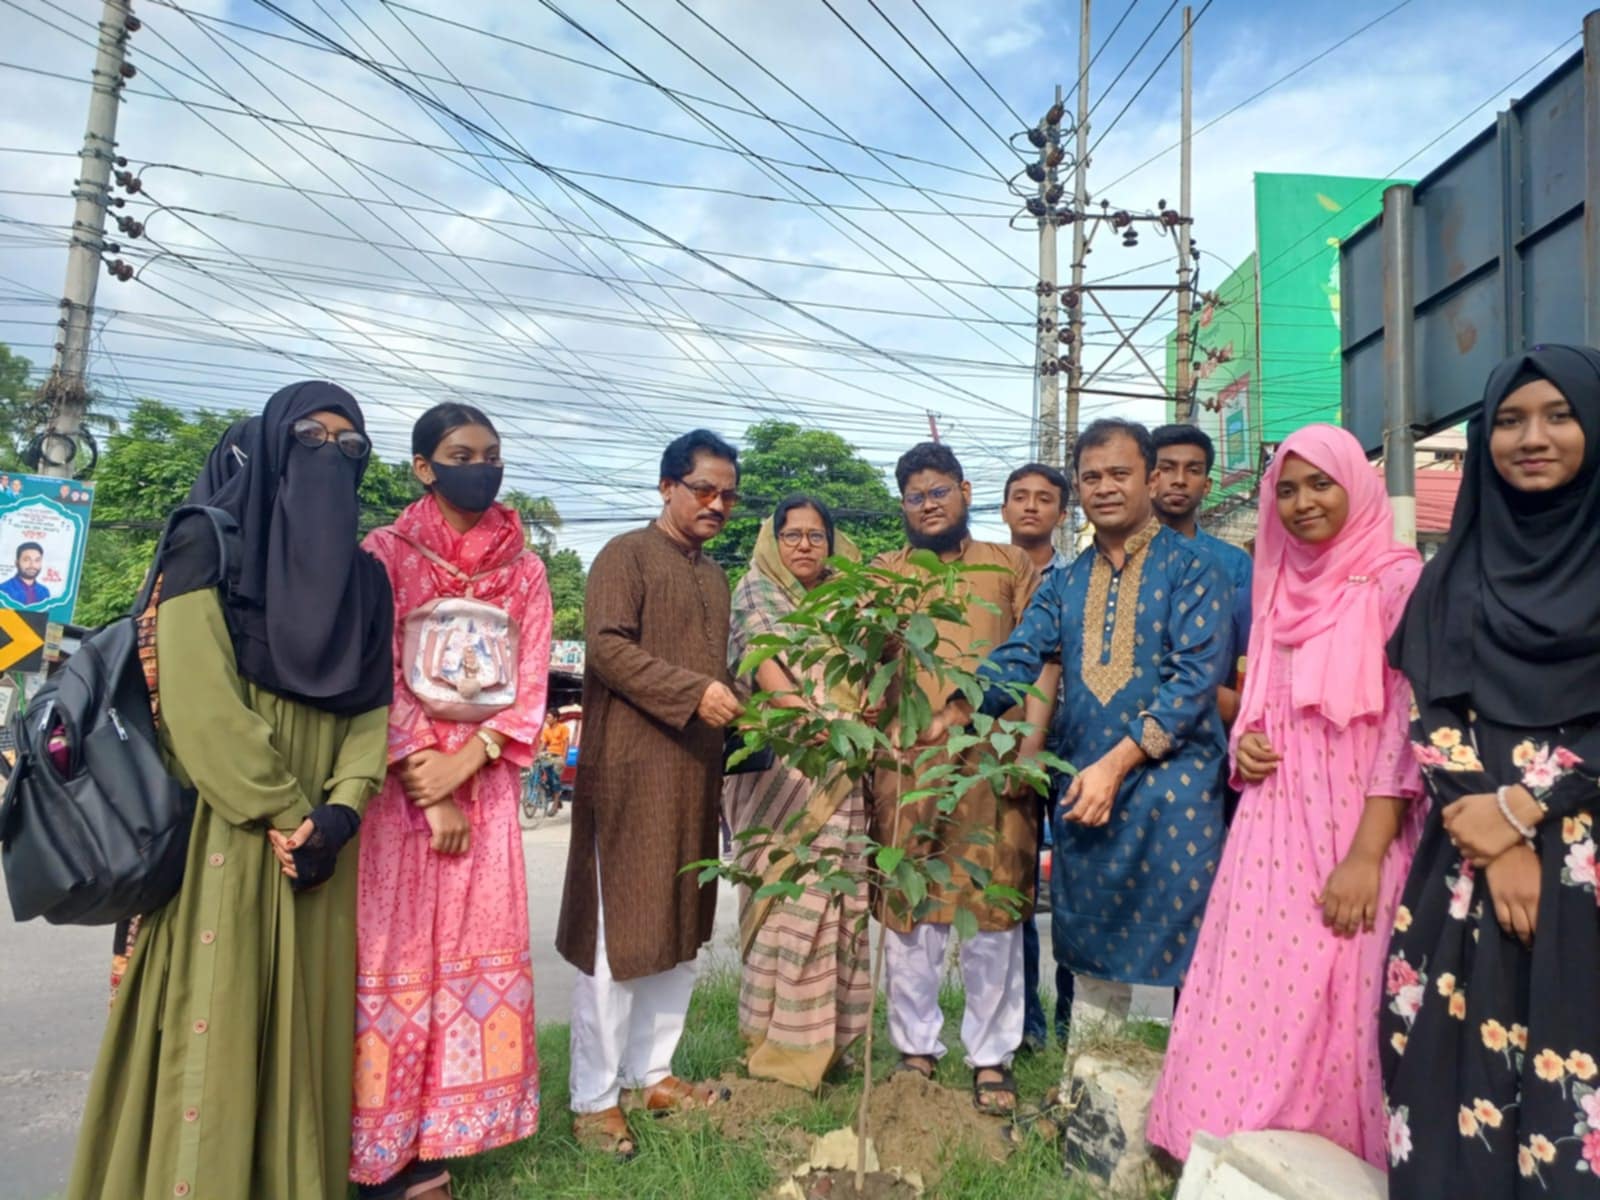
991	972
623	1033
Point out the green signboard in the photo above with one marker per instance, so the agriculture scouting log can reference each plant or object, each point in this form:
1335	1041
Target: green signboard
1300	221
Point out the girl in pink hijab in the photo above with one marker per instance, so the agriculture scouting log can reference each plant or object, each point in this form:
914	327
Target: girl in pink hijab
1277	1027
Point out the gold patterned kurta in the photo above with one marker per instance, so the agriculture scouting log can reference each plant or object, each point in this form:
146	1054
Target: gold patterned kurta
1008	846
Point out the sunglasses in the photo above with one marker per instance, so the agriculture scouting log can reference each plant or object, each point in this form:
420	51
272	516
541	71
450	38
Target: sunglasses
313	434
705	493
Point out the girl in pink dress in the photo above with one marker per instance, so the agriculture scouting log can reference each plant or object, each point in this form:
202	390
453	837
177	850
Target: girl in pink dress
1277	1025
446	1062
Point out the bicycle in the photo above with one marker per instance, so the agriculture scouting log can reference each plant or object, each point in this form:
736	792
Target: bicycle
539	799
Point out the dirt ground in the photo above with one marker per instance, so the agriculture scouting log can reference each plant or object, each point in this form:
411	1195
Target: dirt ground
917	1125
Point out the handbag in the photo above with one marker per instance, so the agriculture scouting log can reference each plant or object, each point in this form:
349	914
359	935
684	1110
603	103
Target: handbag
94	828
460	652
732	743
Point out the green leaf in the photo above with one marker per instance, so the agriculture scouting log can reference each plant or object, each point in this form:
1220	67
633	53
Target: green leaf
890	857
780	887
966	923
920	631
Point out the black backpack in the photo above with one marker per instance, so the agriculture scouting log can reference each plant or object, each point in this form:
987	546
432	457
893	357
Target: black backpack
105	838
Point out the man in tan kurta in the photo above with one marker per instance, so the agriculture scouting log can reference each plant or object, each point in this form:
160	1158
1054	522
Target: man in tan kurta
656	697
935	498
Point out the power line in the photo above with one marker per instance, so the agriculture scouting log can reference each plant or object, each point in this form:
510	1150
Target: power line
927	16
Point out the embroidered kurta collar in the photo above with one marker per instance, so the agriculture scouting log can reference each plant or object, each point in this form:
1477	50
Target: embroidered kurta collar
1109	628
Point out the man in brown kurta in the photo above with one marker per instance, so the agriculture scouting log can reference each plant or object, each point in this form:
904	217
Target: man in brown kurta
656	697
935	498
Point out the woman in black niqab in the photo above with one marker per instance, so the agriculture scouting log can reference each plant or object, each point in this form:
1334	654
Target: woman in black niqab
310	613
1490	1037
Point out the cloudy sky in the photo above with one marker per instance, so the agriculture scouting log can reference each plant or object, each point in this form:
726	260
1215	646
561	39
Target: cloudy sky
608	221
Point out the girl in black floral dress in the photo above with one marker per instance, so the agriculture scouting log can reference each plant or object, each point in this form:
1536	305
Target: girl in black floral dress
1491	1021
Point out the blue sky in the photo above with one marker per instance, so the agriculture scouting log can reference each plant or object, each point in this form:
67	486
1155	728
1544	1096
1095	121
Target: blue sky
309	218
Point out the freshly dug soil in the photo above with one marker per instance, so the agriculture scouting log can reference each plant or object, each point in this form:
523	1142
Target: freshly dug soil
841	1185
917	1125
749	1112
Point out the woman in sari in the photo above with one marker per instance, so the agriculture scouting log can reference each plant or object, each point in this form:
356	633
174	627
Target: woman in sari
225	1065
1491	1013
804	989
446	1061
1277	1027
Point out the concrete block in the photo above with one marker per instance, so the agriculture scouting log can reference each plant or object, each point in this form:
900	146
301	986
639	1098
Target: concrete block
1276	1165
1104	1140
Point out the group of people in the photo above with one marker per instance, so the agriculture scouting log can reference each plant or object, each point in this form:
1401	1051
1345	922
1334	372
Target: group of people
1344	805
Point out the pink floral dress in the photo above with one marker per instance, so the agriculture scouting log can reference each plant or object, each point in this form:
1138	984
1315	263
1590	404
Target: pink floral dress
1277	1027
446	1061
1490	1049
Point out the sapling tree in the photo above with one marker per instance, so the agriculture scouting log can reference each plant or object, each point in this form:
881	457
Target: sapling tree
856	650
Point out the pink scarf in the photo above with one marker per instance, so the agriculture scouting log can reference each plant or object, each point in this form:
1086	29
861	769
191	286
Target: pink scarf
1323	600
495	541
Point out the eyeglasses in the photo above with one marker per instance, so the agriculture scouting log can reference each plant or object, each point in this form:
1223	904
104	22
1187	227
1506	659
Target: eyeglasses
705	493
938	495
793	537
312	434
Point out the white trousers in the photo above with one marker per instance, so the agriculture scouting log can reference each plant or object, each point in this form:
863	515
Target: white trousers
991	972
623	1033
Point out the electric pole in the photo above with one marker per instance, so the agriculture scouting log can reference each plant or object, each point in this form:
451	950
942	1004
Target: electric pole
1183	405
1080	243
66	391
1047	404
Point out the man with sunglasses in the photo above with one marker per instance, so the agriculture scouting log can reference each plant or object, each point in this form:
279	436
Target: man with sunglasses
999	835
656	698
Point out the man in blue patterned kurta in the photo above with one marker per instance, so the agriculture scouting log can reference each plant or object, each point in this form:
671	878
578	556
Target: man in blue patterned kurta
1140	624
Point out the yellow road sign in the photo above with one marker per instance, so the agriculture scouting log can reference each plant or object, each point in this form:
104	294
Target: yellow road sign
22	647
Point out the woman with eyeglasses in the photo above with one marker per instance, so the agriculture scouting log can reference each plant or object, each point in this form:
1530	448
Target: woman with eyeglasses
446	1060
225	1069
803	993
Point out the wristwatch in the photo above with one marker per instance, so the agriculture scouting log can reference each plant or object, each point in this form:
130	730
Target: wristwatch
490	746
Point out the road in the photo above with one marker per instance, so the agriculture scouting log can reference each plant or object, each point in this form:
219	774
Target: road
53	1003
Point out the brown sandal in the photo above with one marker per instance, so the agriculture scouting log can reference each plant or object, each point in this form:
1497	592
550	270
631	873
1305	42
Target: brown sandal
673	1095
416	1186
915	1064
605	1132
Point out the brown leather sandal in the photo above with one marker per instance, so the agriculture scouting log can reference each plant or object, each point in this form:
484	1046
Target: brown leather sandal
605	1132
674	1095
425	1178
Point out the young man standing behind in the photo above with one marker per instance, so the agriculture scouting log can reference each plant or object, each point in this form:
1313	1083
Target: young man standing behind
1184	459
1034	508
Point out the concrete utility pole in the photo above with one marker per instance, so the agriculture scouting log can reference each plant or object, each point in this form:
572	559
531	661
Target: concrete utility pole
1399	361
1183	406
1047	406
1080	200
66	391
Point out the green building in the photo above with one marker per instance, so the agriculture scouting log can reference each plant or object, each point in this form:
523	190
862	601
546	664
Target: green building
1266	339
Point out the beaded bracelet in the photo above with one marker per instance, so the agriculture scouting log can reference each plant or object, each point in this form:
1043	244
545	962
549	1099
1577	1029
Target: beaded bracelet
1524	831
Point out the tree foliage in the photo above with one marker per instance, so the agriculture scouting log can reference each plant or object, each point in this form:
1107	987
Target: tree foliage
568	580
780	459
876	631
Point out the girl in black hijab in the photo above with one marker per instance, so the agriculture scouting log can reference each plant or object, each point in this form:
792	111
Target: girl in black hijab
225	1069
1491	1011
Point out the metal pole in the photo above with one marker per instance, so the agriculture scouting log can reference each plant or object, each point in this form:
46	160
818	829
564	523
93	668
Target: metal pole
1399	361
1080	202
1183	407
66	390
1591	193
1048	397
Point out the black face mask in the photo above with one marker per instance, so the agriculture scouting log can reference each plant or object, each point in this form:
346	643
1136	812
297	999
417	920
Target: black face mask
471	488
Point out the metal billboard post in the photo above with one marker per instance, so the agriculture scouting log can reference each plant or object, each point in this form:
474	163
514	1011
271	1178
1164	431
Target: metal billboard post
1591	180
1399	361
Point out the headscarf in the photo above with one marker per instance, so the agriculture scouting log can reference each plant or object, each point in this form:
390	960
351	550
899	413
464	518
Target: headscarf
1507	615
310	614
496	541
1323	600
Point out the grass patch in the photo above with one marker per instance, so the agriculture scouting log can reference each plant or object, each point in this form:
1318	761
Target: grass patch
689	1159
